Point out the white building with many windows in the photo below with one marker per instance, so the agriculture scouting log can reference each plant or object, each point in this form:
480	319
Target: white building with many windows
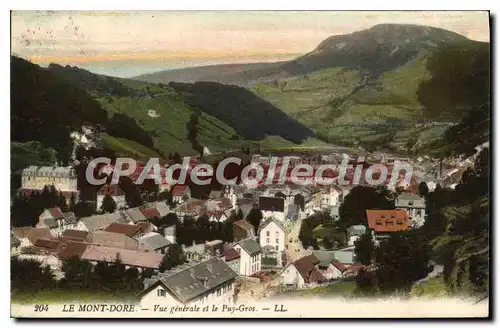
250	256
272	233
414	205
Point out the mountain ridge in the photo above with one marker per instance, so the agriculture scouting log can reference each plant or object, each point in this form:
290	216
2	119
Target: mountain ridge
371	50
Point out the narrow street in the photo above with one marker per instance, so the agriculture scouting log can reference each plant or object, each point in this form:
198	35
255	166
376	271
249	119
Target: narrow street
294	249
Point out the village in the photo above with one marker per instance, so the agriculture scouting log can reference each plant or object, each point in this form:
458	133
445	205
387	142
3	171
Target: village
256	250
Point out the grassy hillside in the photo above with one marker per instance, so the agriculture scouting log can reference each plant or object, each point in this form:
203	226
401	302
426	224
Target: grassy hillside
349	107
136	119
164	115
128	148
252	117
374	88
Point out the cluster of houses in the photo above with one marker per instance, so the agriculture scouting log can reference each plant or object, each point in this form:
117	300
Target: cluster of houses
58	236
319	267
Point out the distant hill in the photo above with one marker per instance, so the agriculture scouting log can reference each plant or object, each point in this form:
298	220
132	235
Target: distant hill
396	109
373	51
372	88
139	119
227	74
383	87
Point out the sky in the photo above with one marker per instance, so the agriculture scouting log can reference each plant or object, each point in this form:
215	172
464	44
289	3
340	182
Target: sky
130	43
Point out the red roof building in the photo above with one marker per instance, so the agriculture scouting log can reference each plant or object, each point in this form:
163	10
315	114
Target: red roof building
129	230
306	266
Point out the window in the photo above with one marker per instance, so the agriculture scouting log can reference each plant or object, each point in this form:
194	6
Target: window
277	240
277	247
268	233
277	234
267	240
419	213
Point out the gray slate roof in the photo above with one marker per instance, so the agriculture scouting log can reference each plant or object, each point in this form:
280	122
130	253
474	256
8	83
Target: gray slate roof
50	171
51	223
250	245
409	196
189	282
135	215
344	256
325	258
154	240
101	221
410	200
337	256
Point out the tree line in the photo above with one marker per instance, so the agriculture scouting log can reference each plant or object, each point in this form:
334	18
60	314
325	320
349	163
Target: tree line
30	276
25	209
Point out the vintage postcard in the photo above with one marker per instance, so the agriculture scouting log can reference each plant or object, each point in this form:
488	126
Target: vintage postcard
239	164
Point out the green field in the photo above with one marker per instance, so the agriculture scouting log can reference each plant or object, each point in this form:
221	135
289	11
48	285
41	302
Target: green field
432	287
125	147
